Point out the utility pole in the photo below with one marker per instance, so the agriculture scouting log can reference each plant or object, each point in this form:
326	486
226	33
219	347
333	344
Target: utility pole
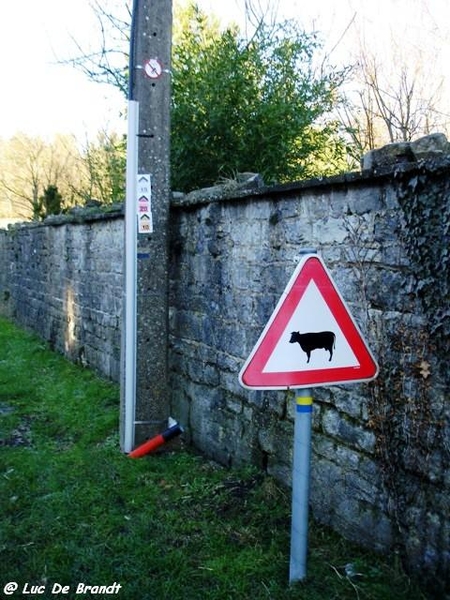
145	398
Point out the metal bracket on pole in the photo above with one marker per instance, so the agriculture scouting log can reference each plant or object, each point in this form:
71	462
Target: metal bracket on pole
300	485
129	317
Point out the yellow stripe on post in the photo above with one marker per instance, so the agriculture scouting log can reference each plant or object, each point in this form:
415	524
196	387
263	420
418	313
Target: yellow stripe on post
304	403
304	400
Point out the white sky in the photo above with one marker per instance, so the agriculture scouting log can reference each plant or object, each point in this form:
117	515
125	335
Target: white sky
40	97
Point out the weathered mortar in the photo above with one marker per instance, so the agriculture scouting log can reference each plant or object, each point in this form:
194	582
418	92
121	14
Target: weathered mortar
380	450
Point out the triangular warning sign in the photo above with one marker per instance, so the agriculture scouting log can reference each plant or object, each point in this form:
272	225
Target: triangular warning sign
311	339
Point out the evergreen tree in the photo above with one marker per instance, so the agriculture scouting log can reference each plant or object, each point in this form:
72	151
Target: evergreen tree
257	105
238	104
48	204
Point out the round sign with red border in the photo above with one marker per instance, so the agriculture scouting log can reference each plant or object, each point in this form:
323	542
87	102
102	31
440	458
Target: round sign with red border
153	68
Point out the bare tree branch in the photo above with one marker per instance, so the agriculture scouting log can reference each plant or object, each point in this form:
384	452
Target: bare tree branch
108	63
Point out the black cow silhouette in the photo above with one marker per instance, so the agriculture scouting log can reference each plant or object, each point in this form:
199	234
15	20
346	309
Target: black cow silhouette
313	341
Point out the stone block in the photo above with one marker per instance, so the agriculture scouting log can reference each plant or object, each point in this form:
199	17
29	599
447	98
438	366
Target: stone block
430	145
338	426
388	156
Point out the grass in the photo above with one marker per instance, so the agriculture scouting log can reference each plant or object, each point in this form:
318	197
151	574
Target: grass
171	525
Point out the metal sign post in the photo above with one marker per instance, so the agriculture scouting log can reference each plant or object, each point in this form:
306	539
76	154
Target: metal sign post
310	340
300	485
128	375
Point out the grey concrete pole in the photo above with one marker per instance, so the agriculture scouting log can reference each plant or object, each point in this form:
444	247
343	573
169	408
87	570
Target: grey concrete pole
150	87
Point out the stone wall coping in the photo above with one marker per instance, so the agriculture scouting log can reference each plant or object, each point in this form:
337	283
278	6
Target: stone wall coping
225	192
76	215
230	192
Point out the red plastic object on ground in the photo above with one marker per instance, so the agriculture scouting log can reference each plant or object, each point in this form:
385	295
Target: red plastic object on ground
157	441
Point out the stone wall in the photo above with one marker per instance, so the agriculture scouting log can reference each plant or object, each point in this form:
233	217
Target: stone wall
63	279
380	449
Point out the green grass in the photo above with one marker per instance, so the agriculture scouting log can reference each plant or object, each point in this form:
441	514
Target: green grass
170	525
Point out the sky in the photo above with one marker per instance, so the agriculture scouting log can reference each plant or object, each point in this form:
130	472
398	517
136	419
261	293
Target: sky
41	97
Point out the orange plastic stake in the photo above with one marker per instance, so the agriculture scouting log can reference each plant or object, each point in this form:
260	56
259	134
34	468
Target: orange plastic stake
157	441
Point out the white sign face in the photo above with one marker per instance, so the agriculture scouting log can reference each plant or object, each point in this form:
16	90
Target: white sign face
144	203
153	68
311	315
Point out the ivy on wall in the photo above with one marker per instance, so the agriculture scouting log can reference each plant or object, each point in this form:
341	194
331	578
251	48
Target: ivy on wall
424	198
407	408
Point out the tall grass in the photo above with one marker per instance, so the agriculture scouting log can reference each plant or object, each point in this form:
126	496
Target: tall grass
170	525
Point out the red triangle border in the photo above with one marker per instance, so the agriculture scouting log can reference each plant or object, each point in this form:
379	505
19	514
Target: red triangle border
311	268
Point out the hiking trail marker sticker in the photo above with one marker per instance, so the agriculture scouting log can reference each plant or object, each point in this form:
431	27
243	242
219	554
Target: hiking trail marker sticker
144	203
311	339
